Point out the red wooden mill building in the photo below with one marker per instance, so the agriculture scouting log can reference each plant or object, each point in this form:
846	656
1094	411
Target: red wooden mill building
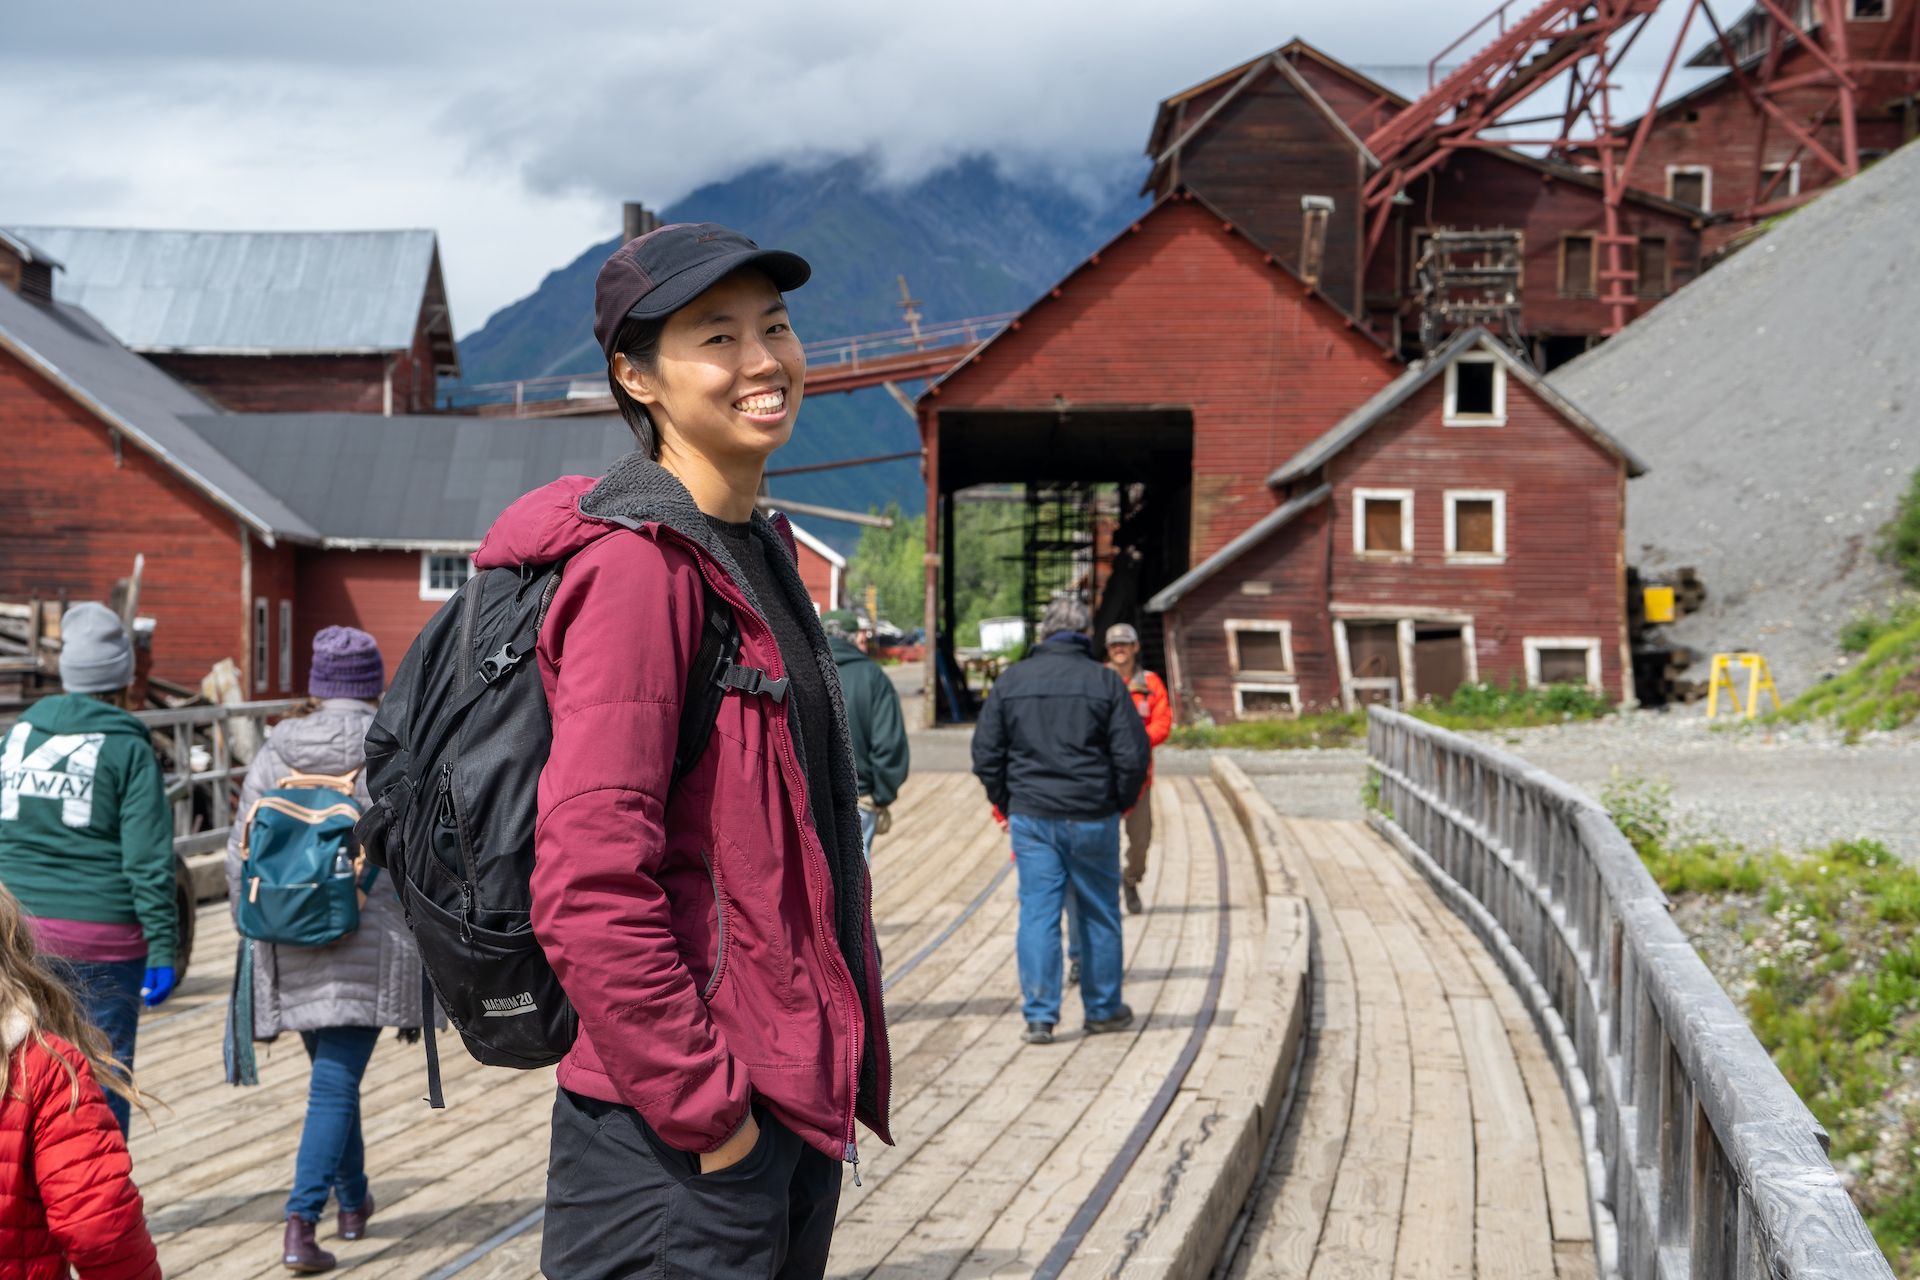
1254	433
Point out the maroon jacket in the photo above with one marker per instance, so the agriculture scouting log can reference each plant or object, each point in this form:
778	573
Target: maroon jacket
712	953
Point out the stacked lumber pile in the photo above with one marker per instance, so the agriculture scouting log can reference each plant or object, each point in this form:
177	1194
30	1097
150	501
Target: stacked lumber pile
29	650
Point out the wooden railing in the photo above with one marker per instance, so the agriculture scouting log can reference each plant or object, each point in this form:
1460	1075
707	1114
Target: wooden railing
1702	1162
219	779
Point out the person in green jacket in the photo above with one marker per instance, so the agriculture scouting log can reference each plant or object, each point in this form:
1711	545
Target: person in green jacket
86	839
874	726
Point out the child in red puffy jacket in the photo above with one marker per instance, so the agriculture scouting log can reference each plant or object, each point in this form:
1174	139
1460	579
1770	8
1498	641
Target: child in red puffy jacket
67	1199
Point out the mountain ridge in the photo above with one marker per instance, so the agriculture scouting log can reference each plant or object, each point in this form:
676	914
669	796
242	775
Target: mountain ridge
970	238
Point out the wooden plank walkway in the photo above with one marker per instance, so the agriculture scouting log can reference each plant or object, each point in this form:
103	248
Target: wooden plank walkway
1423	1079
1430	1137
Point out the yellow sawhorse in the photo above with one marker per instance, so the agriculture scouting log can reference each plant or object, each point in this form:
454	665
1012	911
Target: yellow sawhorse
1758	677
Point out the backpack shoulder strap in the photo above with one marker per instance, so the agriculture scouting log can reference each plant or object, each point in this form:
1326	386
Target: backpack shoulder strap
706	683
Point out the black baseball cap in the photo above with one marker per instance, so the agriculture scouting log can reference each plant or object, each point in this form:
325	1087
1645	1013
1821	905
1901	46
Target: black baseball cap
660	272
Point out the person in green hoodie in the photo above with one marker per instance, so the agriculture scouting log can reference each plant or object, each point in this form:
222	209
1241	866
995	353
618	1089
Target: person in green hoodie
878	734
86	839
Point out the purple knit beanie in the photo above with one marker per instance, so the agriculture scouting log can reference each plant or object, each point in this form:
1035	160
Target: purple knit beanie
346	664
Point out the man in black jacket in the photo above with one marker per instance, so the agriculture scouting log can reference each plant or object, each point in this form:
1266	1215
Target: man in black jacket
1061	751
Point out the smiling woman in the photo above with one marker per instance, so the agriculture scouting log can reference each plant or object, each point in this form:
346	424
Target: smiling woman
707	918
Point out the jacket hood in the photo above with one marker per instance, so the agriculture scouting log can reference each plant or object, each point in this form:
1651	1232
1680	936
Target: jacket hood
330	740
571	513
845	651
78	713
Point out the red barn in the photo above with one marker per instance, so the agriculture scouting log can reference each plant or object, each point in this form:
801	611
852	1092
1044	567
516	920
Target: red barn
1258	140
258	529
1179	365
1465	523
280	321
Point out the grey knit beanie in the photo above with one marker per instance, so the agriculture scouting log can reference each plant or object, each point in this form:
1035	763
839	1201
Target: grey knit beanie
96	654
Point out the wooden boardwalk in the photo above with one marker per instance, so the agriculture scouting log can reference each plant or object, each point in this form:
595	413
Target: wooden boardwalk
1430	1136
1422	1079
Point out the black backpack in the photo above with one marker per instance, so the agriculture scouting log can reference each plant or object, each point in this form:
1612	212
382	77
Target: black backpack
453	765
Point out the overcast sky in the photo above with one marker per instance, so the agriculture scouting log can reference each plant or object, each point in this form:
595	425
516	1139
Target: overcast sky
514	129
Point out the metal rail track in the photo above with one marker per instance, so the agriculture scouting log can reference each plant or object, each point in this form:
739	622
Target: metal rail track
1156	1109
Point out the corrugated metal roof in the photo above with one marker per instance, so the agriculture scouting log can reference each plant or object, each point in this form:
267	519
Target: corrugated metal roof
246	292
409	481
72	349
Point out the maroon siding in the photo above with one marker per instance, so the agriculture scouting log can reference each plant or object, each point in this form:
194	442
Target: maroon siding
76	516
308	384
376	591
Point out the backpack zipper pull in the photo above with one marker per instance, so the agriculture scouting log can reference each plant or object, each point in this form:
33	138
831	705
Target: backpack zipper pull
253	890
466	912
853	1154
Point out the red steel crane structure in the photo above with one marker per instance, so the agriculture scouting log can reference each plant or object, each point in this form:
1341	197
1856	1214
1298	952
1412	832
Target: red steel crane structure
1580	44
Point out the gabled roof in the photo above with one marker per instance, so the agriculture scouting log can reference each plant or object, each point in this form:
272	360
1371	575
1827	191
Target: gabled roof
818	547
255	292
1408	384
75	352
1249	74
424	482
1179	195
1256	533
27	251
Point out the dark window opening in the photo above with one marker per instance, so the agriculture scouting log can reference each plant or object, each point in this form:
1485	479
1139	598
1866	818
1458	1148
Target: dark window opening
1577	266
1473	526
1866	10
1382	517
1653	272
1439	661
1473	389
1267	703
1260	651
1688	186
1563	666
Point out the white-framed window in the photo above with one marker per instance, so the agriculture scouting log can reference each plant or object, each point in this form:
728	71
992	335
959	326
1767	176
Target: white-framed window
1383	523
1562	660
1690	184
286	646
1787	187
260	643
1869	11
1255	700
1259	647
1476	391
443	573
1476	526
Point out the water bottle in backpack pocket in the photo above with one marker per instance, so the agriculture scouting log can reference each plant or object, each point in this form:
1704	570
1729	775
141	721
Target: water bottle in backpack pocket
301	877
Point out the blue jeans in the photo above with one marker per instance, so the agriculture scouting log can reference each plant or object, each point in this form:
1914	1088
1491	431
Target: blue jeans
109	994
867	823
333	1157
1057	857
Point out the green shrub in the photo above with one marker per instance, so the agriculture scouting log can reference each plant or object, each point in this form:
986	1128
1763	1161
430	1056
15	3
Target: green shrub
1900	539
1881	690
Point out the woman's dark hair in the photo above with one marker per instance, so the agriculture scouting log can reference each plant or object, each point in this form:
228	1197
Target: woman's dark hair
639	342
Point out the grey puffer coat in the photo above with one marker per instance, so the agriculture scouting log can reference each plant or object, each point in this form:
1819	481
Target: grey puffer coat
371	977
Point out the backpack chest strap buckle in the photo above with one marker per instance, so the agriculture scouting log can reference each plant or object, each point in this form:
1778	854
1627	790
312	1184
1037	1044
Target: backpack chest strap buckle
498	664
750	680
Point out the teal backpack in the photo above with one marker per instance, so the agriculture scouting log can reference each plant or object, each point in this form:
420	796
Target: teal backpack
302	877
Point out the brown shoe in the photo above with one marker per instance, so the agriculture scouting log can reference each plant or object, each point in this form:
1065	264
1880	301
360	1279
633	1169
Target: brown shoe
301	1253
353	1222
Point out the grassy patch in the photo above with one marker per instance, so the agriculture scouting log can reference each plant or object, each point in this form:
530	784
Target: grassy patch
1900	540
1881	690
1822	949
1473	706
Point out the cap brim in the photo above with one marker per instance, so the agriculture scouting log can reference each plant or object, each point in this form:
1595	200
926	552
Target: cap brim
788	271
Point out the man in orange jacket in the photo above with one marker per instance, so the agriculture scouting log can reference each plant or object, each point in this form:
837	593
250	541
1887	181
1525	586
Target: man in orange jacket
1150	699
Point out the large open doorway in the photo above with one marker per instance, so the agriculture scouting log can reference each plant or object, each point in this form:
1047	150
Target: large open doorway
1102	503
